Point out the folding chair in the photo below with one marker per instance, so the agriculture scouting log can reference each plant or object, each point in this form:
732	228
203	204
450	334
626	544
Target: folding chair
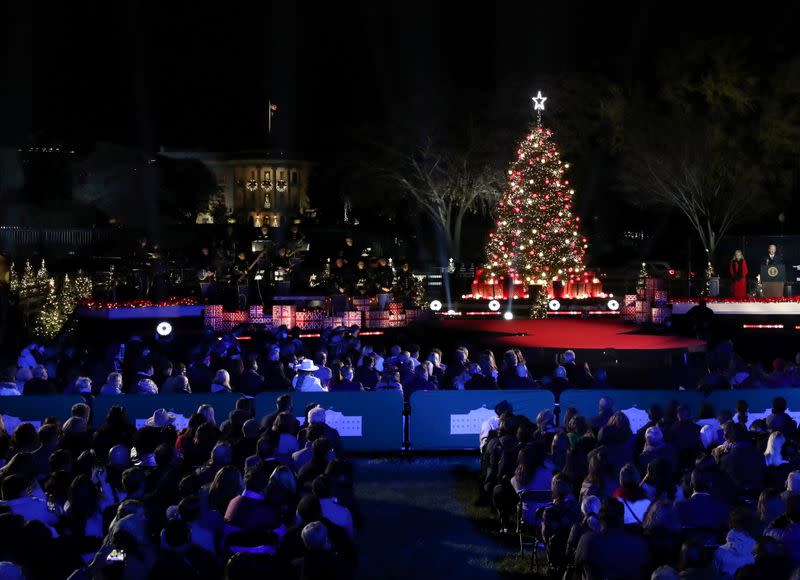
530	510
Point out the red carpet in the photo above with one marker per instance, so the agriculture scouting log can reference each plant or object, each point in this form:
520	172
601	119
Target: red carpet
576	334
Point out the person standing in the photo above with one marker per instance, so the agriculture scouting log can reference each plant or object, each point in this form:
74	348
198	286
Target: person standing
773	257
738	269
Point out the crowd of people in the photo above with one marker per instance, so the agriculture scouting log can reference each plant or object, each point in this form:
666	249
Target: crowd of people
671	500
279	361
243	497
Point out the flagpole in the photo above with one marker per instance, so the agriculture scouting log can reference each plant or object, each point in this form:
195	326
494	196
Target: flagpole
269	117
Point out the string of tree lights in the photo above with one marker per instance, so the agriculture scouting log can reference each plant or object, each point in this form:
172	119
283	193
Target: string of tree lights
537	238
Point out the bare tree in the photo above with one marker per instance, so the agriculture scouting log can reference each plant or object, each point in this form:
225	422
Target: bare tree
699	180
448	185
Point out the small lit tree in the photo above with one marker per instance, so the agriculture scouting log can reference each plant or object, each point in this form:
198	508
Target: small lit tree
49	319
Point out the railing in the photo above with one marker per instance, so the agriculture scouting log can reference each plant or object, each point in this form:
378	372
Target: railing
19	239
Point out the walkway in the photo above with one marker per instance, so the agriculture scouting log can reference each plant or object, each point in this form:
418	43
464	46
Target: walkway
416	523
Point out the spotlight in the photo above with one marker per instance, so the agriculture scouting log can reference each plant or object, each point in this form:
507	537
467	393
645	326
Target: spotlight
613	304
164	329
451	312
494	305
508	315
554	304
435	305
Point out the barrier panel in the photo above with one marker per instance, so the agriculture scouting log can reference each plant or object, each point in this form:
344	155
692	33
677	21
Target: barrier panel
35	409
141	407
634	403
365	421
759	402
452	419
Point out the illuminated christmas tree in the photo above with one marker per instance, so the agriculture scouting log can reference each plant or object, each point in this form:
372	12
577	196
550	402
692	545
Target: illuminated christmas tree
82	285
27	284
67	297
537	239
42	276
13	279
49	319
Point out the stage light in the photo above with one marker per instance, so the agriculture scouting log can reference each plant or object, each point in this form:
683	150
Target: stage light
554	304
164	329
451	312
613	304
435	305
508	316
494	305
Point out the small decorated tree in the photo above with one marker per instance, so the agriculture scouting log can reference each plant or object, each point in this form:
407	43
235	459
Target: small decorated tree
13	279
83	286
641	282
27	284
67	297
49	319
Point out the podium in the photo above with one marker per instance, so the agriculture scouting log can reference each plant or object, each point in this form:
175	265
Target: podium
772	279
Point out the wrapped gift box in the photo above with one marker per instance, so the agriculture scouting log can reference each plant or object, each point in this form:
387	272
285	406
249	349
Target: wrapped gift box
256	311
395	307
213	310
414	314
352	317
660	296
310	319
334	321
643	306
284	310
659	314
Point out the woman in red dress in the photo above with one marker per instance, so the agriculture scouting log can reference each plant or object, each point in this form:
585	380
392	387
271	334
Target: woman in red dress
739	275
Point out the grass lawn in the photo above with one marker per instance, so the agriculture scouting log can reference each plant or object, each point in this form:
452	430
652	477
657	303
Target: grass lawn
421	522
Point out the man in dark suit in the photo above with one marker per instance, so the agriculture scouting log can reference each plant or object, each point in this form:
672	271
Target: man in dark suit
703	510
347	383
773	257
40	384
613	552
779	420
283	404
684	435
251	383
743	464
275	378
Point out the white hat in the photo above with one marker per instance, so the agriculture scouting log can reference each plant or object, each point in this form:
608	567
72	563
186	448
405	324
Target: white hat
160	418
307	365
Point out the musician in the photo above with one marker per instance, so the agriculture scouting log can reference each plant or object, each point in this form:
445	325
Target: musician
384	280
338	277
239	267
142	267
773	257
348	251
361	279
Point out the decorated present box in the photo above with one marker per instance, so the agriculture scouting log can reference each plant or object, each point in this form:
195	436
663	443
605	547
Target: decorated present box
629	300
256	311
396	307
414	314
310	319
334	321
351	318
643	306
659	314
213	310
642	317
377	315
284	310
660	296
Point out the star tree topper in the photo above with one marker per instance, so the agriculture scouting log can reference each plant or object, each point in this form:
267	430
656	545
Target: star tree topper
538	101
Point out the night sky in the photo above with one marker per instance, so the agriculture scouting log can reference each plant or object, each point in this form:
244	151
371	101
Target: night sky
181	74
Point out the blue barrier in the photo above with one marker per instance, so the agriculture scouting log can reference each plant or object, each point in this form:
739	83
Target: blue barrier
34	409
140	407
366	421
586	401
452	419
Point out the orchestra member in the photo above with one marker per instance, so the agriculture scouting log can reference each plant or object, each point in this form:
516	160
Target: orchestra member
738	269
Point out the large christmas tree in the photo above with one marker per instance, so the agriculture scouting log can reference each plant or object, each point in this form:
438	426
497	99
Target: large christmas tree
537	239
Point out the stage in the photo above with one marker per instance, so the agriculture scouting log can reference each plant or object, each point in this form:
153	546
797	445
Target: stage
587	334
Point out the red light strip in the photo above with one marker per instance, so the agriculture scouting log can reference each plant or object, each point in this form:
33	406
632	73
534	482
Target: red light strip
370	333
565	313
479	313
774	326
311	335
244	338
